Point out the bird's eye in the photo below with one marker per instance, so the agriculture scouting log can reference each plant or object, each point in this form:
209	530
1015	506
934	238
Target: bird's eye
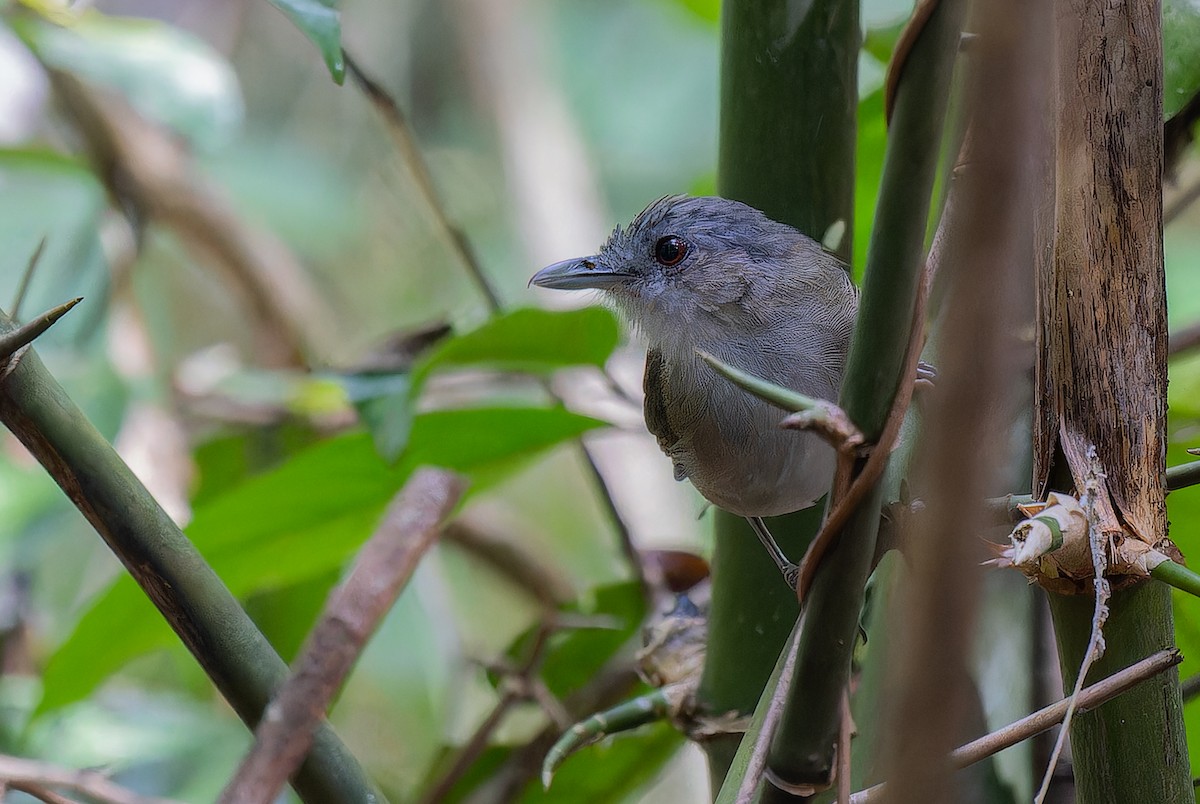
670	250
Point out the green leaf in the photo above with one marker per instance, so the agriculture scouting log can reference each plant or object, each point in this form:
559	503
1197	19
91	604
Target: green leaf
1181	53
321	22
385	405
298	521
529	340
707	10
166	74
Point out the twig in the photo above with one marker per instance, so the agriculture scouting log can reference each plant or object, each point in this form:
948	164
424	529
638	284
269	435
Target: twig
1176	208
503	552
807	413
904	45
845	505
27	277
649	708
524	763
1177	134
12	340
386	562
756	766
1190	687
40	793
629	550
513	694
844	735
1046	718
1188	338
16	772
410	152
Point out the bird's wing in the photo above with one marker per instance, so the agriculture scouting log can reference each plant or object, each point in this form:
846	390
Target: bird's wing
654	384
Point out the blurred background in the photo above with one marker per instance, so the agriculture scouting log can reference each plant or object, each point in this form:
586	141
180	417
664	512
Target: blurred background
247	236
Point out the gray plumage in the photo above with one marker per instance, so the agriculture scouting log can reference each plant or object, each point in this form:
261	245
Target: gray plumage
758	295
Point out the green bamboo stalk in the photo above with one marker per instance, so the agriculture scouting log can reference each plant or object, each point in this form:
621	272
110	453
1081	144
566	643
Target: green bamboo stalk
802	751
1183	475
782	72
1120	750
233	652
1178	576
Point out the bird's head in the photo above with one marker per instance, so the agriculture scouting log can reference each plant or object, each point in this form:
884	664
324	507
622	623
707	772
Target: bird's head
687	262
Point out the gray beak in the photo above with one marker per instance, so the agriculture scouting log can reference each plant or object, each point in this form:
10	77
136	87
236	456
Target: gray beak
578	274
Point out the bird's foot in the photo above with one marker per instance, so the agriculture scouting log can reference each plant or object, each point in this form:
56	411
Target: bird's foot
790	571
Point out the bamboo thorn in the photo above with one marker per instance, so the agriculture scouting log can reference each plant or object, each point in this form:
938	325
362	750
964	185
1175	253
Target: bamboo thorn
23	335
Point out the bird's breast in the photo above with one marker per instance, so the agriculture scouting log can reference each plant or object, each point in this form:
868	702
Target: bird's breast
729	443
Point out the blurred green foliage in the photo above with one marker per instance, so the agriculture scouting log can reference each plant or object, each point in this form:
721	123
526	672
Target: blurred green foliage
279	504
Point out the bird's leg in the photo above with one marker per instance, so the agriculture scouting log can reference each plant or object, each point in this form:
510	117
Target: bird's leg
791	572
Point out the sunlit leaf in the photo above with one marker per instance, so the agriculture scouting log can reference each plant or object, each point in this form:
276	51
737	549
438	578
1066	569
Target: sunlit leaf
529	340
321	22
707	10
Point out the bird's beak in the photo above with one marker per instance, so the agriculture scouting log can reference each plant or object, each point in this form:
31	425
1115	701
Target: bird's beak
578	274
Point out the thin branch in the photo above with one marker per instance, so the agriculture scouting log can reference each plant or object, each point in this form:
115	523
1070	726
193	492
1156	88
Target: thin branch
20	774
410	152
514	693
1190	687
843	751
27	277
808	413
756	766
524	763
40	793
14	339
1178	206
505	553
409	528
845	504
1048	717
629	550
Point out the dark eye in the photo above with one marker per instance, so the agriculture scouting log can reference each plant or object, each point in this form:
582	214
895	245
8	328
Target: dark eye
670	250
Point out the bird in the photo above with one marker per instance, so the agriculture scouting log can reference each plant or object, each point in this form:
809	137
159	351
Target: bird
708	274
